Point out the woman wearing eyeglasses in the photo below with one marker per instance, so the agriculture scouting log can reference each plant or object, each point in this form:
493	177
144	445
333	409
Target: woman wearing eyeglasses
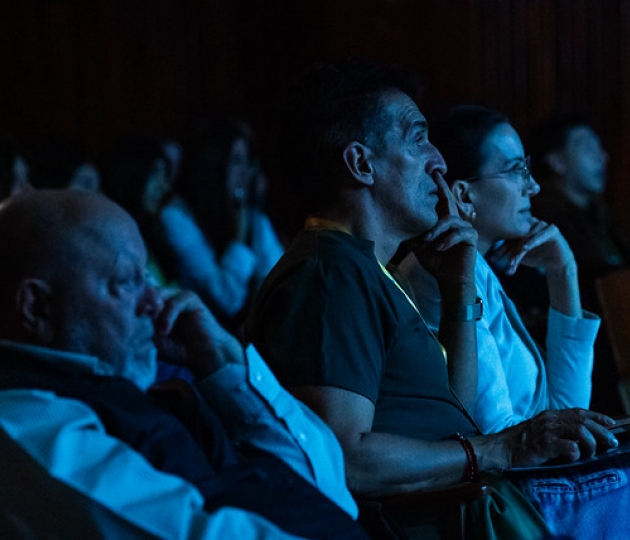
490	179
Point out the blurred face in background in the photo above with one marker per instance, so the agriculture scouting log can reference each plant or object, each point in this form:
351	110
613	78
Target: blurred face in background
157	186
86	177
20	177
583	162
240	171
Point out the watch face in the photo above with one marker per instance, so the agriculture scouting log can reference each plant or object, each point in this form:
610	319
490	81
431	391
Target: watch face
471	312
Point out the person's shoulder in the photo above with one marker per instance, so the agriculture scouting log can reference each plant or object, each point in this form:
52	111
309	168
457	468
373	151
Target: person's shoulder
330	251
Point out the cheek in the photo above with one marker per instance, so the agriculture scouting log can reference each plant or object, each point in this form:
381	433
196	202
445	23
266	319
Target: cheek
499	211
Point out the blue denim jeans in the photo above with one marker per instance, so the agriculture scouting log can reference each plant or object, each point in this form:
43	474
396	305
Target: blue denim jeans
582	502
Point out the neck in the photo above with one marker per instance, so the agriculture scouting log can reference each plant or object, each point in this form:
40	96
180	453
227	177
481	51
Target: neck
361	225
483	246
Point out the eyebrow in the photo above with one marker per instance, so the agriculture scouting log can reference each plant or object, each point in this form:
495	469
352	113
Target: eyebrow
514	160
420	125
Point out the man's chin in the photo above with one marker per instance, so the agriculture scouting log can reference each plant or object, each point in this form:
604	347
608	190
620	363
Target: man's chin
142	370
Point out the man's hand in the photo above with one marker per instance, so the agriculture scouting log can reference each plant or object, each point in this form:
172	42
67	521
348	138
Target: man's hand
449	249
565	435
542	247
187	334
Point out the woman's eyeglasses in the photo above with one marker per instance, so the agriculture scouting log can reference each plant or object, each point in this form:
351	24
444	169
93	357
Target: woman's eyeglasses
520	169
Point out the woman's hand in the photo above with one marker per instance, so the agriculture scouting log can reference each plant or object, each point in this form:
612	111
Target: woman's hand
543	247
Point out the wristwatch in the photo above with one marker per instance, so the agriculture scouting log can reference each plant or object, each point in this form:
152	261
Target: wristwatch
470	312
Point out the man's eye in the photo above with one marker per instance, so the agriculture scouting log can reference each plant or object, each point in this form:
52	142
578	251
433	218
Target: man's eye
125	283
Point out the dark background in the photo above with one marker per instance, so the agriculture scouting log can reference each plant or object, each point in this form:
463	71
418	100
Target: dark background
91	69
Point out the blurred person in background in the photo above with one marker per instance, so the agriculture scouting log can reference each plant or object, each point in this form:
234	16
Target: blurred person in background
221	241
570	162
136	174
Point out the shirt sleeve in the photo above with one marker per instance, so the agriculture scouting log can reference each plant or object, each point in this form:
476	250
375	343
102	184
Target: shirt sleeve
569	358
221	282
493	411
257	410
68	441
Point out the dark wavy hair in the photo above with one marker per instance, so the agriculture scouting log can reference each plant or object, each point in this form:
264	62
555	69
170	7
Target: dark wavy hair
459	134
326	107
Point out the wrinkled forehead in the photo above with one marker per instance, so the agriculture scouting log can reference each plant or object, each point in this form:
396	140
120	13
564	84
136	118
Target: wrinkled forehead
400	107
400	115
106	241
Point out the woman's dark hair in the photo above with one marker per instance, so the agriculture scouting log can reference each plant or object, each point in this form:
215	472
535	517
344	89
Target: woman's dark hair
459	135
203	175
126	167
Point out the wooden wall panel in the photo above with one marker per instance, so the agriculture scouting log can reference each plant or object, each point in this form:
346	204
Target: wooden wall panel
93	68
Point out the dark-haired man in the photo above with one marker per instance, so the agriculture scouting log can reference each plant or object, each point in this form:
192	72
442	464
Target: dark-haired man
346	338
79	324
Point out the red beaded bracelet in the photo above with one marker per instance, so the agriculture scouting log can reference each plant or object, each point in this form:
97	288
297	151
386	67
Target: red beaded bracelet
472	467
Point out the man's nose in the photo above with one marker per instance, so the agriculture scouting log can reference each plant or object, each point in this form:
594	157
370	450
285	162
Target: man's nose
436	162
150	302
532	187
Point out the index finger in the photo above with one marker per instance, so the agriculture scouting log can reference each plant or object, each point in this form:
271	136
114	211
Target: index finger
447	199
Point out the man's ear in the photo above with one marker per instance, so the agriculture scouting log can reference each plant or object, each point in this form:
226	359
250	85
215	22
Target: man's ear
33	306
556	162
465	205
358	160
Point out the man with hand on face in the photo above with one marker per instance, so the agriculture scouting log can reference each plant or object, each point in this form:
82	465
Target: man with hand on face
78	328
346	338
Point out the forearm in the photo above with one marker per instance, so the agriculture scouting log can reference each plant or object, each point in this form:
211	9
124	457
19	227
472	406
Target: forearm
564	290
459	338
383	464
259	412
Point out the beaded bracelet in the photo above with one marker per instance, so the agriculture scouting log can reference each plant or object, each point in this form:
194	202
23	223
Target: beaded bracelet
472	467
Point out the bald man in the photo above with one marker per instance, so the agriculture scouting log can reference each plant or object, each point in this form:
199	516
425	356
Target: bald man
80	329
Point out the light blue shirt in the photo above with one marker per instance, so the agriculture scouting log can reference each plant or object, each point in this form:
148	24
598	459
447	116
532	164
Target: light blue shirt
225	281
516	379
67	439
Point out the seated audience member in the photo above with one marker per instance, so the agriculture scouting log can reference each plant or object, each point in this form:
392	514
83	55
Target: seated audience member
14	173
137	176
222	243
56	162
79	327
344	337
493	188
570	164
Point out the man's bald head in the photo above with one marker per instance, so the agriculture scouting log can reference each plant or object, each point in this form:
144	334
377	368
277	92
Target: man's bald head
73	279
44	233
